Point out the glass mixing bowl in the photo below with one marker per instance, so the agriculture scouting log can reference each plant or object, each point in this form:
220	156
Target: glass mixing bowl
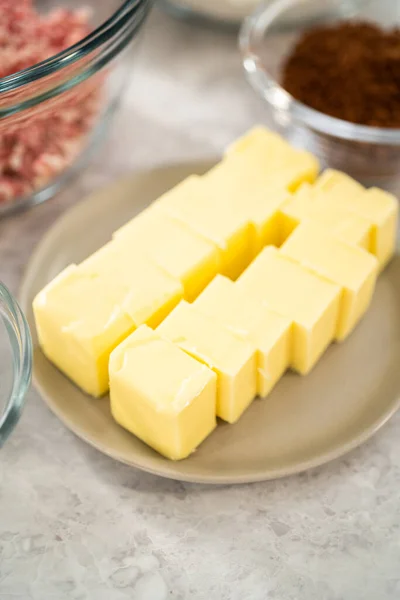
370	154
15	362
53	113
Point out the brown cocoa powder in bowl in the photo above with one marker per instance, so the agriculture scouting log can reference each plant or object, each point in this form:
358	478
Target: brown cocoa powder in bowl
350	70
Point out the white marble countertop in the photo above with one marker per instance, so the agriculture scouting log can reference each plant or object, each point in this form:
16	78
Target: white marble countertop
75	525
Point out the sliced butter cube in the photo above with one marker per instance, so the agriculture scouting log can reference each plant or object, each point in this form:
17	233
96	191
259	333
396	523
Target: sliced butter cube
309	204
349	228
249	194
376	206
193	203
265	150
146	292
79	321
353	268
381	210
293	291
88	310
263	139
161	394
269	332
232	358
182	253
336	184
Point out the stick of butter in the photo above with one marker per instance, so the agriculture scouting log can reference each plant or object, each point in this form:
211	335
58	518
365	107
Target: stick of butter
161	394
247	191
264	150
181	252
336	184
381	209
353	268
144	291
291	290
89	309
335	191
309	203
192	202
232	358
268	331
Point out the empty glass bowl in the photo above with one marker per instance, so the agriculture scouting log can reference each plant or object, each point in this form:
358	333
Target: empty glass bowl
52	114
370	154
15	362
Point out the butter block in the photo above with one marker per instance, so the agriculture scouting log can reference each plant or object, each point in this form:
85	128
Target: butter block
161	394
249	194
376	206
353	268
263	139
336	184
264	149
307	203
381	209
269	332
232	358
349	228
146	292
79	322
89	309
300	295
194	203
185	255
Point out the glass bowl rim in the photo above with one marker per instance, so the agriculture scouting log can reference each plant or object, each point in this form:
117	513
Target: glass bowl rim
20	342
96	38
253	29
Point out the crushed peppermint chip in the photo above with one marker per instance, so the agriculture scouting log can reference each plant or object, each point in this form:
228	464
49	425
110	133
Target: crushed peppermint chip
39	143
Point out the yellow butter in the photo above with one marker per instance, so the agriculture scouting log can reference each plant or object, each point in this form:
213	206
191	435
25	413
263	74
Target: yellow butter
294	292
336	184
269	332
232	358
161	394
146	292
89	309
310	204
193	203
259	137
353	268
265	150
181	252
349	228
376	206
249	194
79	322
381	209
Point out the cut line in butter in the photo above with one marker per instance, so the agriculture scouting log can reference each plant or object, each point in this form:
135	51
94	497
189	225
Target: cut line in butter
352	268
269	332
233	359
310	301
161	394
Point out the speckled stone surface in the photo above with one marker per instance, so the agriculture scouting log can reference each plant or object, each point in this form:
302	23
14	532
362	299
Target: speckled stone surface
74	525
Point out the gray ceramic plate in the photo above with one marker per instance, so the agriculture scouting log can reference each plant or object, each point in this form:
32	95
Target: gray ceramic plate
305	422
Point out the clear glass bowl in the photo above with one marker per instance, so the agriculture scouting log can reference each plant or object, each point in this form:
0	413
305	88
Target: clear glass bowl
78	89
15	362
370	154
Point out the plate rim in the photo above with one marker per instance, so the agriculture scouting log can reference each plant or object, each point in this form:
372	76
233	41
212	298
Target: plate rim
255	477
169	473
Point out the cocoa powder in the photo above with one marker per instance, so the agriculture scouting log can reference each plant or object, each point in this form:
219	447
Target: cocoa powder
350	70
